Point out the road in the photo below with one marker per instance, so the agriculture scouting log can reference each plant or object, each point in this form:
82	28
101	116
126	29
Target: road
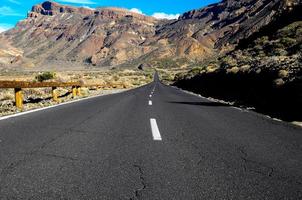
130	145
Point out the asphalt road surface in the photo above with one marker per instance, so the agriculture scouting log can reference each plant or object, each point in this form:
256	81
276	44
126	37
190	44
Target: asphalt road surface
141	144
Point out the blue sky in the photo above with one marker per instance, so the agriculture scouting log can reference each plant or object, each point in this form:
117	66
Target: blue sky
11	11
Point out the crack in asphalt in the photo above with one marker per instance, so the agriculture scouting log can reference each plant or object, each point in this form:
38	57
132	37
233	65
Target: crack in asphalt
13	165
270	171
255	166
67	131
60	157
138	191
27	156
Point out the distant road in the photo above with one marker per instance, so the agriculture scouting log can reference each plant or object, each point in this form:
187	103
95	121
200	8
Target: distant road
153	142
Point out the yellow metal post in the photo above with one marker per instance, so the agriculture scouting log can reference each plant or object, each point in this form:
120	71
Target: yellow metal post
19	98
79	91
54	94
74	91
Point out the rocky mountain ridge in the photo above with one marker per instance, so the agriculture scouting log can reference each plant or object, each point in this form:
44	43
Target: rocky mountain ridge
54	33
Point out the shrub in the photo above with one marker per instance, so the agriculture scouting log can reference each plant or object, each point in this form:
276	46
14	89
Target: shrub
233	70
283	73
167	77
45	76
211	68
279	82
262	41
288	42
279	52
228	61
245	68
193	72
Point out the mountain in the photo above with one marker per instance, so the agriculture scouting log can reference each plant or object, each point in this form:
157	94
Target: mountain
263	72
221	26
54	34
105	36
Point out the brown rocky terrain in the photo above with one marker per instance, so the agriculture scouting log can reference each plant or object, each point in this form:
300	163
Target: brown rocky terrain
55	34
221	26
263	72
106	36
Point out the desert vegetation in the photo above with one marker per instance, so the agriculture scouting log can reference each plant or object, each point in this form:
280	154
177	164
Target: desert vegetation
44	76
265	74
112	80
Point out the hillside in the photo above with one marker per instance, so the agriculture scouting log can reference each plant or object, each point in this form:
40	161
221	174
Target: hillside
106	36
60	36
264	73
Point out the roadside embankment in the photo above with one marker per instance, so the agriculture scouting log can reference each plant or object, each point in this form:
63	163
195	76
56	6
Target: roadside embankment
251	90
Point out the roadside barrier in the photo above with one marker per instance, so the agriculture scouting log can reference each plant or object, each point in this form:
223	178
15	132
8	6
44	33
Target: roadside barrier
75	88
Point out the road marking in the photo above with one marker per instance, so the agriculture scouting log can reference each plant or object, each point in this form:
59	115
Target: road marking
150	95
150	103
155	131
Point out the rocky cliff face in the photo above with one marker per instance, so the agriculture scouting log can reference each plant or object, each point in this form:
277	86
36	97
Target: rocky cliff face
51	8
105	36
113	36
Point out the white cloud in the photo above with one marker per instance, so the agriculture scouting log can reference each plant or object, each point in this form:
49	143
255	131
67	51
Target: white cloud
88	7
160	15
7	11
136	10
5	27
15	2
78	1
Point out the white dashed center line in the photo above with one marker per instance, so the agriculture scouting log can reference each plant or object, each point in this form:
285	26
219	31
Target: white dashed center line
150	103
155	131
150	95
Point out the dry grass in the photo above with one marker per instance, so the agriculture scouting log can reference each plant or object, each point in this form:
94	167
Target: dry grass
40	97
6	95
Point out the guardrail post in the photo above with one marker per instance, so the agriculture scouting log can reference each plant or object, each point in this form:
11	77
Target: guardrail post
54	94
74	91
79	91
19	98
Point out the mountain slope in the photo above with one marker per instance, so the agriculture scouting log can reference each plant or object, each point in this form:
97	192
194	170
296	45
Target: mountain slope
55	33
265	72
106	36
221	26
